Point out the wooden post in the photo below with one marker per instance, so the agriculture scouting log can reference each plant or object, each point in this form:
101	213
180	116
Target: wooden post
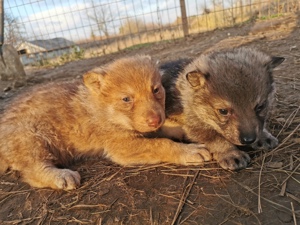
1	24
185	25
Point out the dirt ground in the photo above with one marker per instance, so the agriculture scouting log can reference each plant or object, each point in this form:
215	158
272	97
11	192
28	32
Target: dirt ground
268	192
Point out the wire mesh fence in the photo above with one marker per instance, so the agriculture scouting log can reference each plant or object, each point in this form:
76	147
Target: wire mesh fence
50	29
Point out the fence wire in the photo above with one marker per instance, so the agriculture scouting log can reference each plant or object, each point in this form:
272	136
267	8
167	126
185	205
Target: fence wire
46	29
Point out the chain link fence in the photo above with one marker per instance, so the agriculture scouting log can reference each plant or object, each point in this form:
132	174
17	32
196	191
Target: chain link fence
44	30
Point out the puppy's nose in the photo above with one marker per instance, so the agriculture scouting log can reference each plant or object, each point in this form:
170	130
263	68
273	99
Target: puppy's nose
247	139
154	120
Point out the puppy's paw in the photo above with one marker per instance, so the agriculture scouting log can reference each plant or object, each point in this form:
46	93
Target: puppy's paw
66	179
266	142
233	159
195	154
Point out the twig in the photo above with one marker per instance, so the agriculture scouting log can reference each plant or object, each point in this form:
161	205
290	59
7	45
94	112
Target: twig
151	216
285	180
298	181
267	200
241	208
192	169
184	196
292	162
259	183
284	141
112	176
290	119
293	212
177	174
189	203
283	188
145	167
283	185
99	221
25	220
188	217
87	206
9	194
293	197
79	221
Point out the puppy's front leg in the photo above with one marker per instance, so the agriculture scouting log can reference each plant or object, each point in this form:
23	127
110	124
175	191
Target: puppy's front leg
266	141
227	154
156	150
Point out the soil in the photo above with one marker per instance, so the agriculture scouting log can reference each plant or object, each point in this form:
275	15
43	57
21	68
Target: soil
267	192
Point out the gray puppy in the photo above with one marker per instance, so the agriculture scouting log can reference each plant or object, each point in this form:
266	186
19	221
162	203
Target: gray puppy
221	99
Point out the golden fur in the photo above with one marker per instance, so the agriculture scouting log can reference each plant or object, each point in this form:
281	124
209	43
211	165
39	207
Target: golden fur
109	113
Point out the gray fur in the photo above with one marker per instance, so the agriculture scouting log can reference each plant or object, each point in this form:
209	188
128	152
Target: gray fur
240	80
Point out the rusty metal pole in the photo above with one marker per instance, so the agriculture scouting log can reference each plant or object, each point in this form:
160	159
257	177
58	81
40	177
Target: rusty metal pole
185	25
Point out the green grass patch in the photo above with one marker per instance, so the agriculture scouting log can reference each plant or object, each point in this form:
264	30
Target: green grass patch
138	46
271	16
144	45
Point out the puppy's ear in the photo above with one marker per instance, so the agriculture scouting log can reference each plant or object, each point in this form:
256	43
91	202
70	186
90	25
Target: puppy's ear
196	79
93	79
275	61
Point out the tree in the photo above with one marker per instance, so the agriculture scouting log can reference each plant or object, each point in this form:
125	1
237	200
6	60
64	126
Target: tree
12	30
102	16
132	26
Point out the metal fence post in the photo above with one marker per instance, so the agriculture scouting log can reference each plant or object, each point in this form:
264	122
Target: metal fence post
184	19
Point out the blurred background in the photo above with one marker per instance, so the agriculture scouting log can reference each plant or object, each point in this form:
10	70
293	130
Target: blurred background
54	31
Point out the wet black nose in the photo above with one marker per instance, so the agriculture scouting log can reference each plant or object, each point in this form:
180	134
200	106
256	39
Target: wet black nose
248	139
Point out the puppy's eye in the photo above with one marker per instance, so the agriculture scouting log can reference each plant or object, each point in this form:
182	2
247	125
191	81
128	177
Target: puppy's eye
156	90
126	99
261	107
223	112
